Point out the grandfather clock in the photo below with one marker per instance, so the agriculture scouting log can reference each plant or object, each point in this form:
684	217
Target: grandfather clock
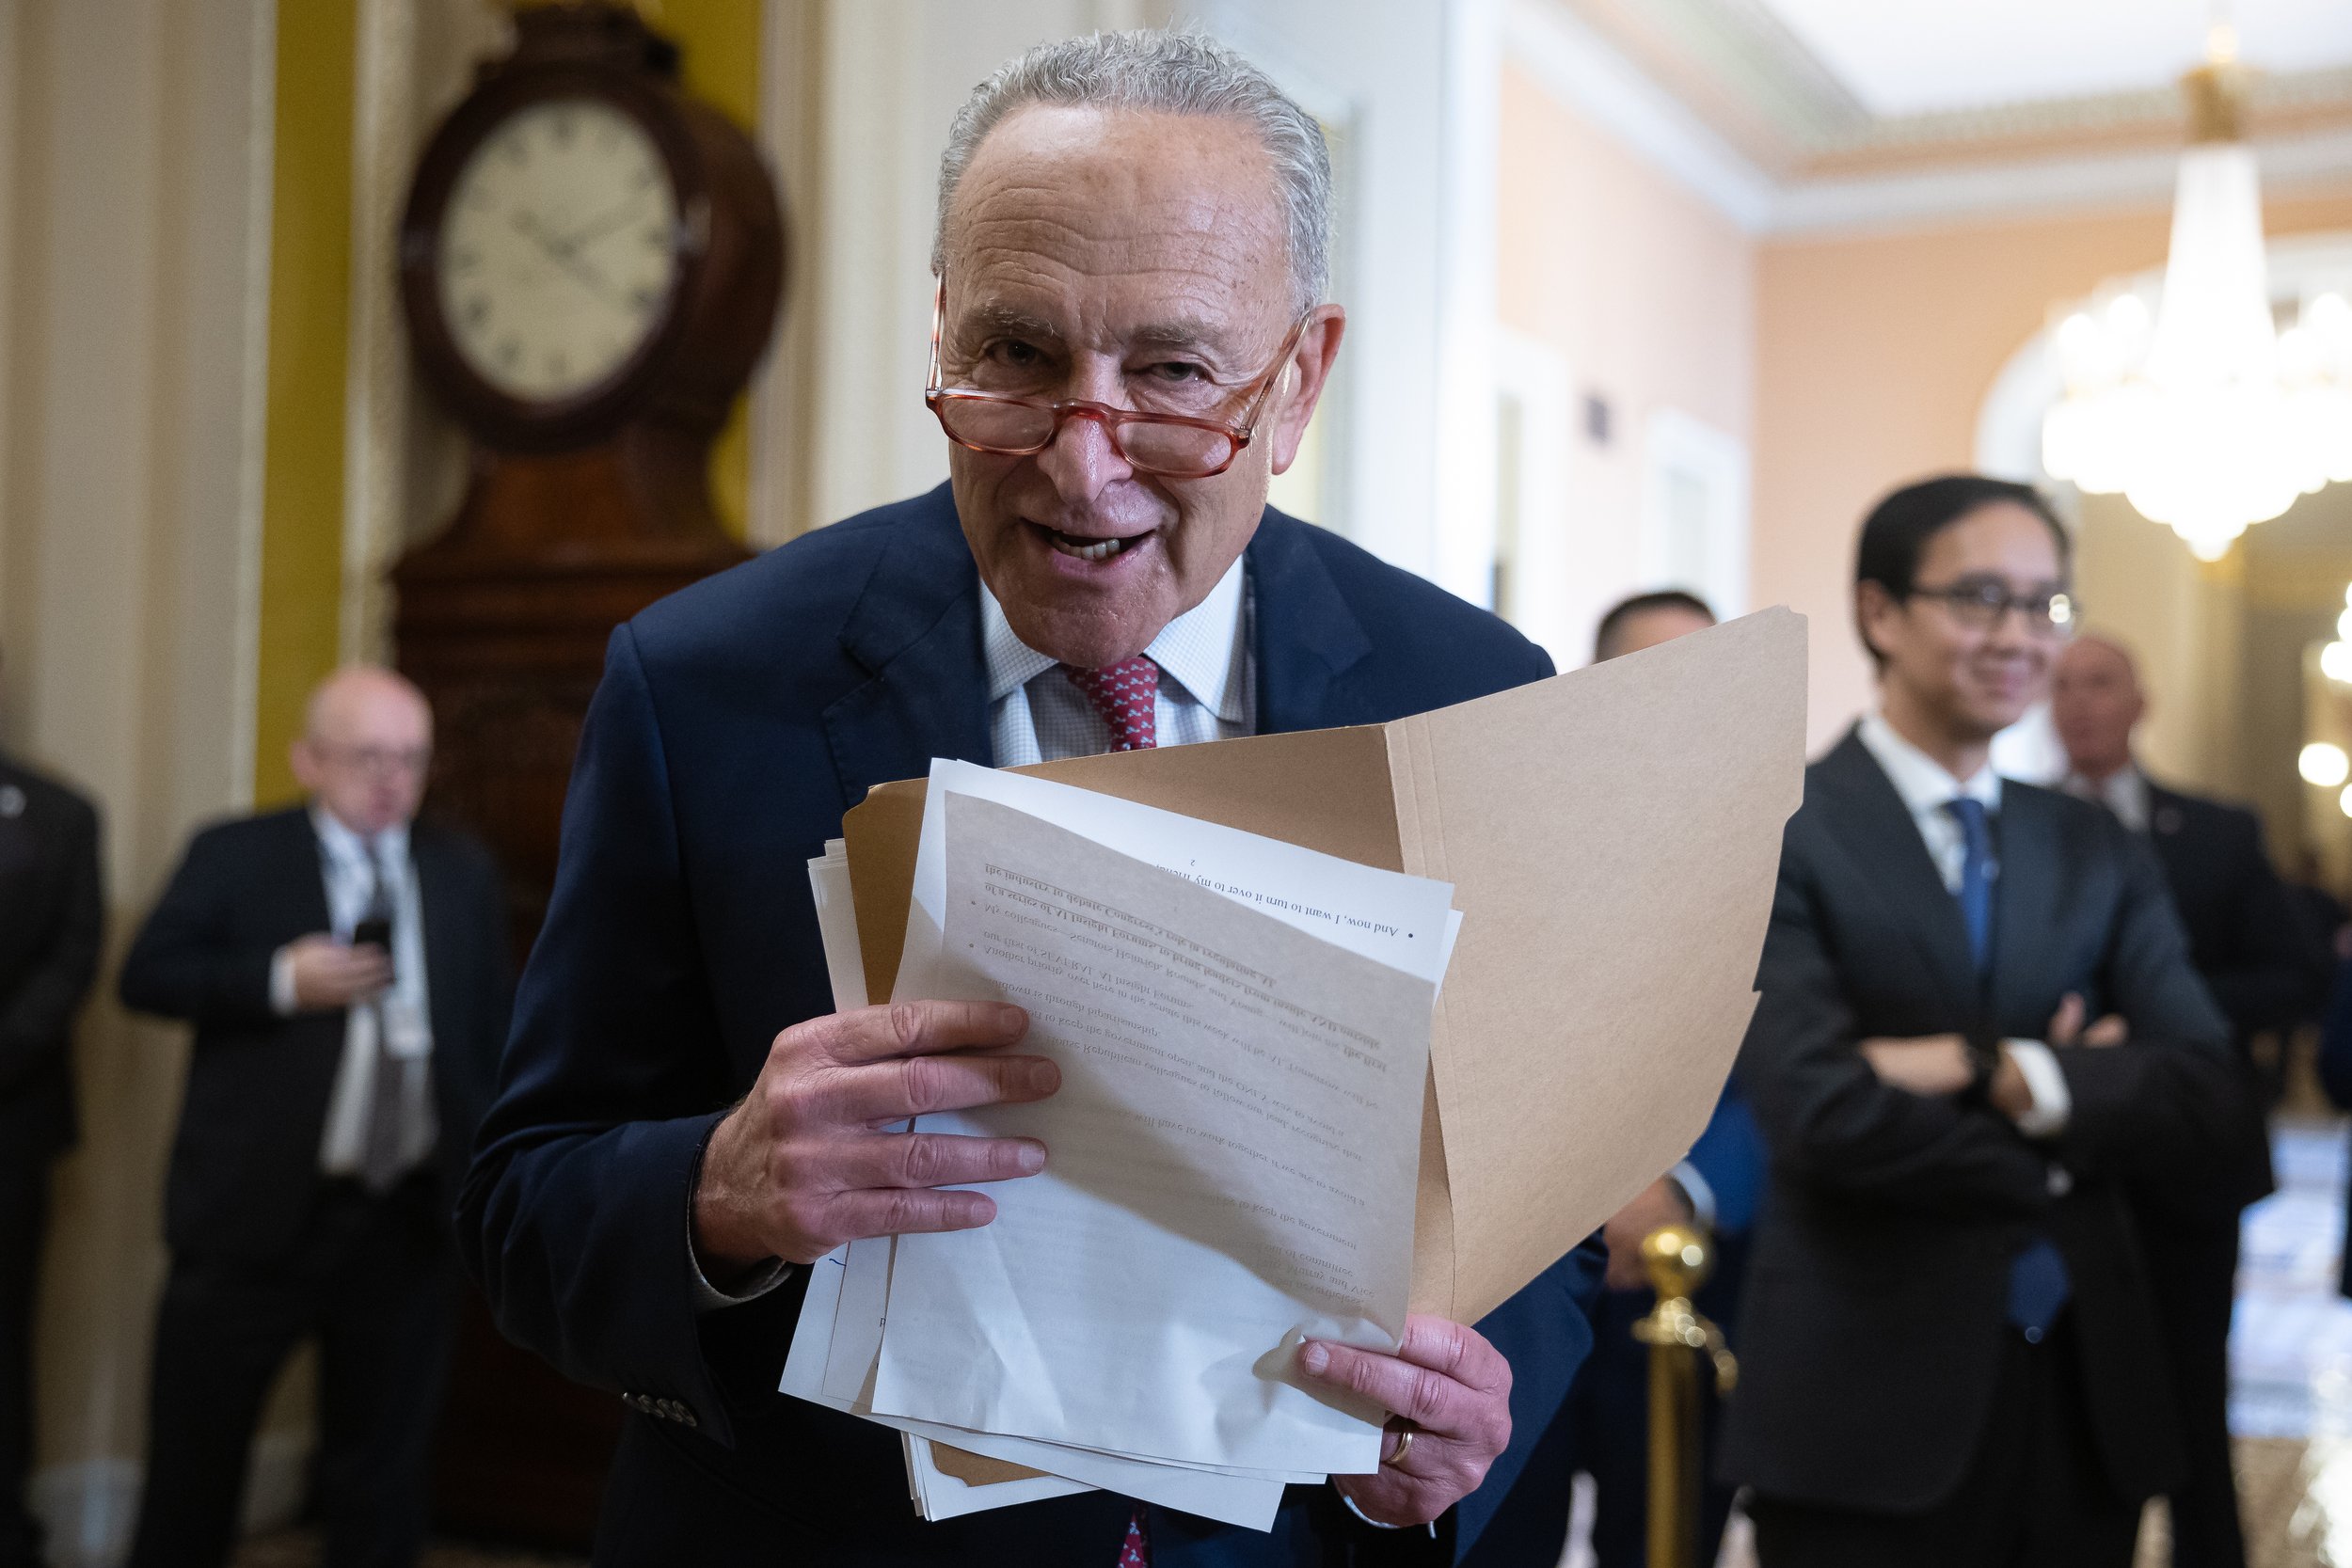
589	263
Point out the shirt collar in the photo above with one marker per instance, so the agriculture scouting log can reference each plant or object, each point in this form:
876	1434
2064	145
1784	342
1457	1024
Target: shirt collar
1919	778
2124	792
1201	650
348	847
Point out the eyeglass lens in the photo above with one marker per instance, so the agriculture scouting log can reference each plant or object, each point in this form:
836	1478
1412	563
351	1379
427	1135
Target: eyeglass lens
1146	443
1983	604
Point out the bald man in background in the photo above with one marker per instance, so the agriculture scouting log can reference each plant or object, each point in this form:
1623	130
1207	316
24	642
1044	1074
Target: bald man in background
346	971
2245	941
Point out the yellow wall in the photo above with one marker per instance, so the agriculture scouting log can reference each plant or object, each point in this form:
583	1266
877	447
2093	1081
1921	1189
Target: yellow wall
719	42
309	309
1874	354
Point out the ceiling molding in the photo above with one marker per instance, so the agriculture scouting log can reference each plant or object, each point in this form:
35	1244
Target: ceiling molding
1594	80
1741	155
2314	164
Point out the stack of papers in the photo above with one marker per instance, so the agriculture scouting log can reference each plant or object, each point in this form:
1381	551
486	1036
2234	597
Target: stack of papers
1243	1029
1611	837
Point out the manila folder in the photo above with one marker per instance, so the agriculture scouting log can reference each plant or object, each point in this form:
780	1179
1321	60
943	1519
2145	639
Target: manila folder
1613	836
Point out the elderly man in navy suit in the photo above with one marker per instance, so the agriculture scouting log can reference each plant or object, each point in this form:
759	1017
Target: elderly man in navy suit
1132	337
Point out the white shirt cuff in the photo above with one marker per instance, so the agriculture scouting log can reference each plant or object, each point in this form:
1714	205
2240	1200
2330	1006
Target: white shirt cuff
710	1298
281	982
1698	1190
1375	1524
2052	1102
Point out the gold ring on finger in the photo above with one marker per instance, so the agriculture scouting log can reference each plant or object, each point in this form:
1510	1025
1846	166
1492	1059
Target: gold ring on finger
1403	1446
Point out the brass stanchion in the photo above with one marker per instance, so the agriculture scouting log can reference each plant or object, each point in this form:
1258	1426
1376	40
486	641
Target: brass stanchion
1678	1260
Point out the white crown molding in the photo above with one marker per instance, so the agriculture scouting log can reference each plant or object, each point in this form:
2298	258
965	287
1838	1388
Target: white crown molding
1589	76
2029	187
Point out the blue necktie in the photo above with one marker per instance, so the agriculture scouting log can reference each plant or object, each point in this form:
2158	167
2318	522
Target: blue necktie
1976	879
2038	1286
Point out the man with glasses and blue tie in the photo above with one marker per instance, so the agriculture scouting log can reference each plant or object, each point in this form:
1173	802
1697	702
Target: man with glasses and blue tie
345	968
1950	1355
1131	337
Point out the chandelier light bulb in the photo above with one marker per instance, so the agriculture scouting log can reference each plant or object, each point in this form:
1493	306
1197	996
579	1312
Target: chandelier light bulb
2343	802
2344	625
2335	662
2324	764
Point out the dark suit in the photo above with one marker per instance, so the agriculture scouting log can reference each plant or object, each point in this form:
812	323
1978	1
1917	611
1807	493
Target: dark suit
736	723
1879	1375
265	1247
2258	961
52	925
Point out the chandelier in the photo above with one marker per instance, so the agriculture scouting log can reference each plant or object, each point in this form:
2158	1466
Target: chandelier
2199	411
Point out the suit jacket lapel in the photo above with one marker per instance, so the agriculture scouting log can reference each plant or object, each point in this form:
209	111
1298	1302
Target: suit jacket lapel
1875	824
2025	895
1306	636
306	872
916	630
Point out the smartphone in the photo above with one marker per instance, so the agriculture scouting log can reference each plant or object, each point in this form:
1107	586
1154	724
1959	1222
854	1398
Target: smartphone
376	930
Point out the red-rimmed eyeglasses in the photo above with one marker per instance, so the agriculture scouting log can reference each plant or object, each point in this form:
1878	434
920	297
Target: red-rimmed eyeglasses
1172	445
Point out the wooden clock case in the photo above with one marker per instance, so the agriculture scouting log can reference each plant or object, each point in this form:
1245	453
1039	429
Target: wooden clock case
576	513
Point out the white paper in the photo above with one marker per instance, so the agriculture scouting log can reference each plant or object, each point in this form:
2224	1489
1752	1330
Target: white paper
1247	1501
1235	1146
1408	922
836	925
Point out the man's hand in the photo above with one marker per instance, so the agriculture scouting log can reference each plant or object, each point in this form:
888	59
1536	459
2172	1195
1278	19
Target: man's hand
1660	1203
1453	1390
2066	1026
328	975
1928	1065
803	1165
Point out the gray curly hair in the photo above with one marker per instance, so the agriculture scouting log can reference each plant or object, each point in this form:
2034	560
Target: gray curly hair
1170	72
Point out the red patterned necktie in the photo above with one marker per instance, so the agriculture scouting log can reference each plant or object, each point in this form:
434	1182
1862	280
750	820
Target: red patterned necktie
1136	1551
1126	694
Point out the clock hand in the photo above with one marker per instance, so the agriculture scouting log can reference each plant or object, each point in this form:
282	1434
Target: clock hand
598	227
580	271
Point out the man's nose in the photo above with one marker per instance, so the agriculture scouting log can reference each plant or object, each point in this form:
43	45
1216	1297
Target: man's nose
1082	459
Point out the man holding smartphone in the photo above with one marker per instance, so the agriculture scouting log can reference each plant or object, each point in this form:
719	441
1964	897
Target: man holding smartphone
345	968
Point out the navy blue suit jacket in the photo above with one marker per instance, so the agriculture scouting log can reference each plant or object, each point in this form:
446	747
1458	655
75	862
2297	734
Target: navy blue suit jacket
736	724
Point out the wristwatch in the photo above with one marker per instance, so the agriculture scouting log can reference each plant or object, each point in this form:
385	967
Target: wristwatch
1984	1060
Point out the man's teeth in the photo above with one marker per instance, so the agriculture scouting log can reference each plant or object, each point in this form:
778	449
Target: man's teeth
1098	549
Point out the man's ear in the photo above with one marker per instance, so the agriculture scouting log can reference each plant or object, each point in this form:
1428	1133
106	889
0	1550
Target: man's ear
304	765
1309	370
1873	605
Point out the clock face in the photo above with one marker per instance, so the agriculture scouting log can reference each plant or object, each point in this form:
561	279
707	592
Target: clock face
558	249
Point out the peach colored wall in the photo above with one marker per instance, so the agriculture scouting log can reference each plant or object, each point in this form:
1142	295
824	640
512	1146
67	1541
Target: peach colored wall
1646	292
1873	355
